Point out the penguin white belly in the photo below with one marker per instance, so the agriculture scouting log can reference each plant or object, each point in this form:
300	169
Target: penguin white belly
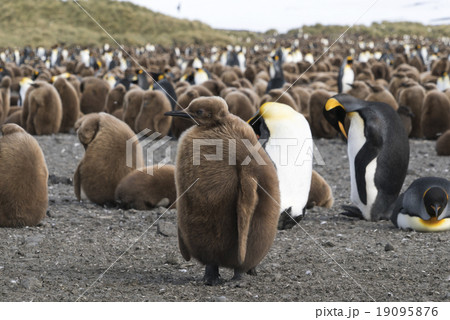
200	77
405	221
293	157
347	79
356	141
23	91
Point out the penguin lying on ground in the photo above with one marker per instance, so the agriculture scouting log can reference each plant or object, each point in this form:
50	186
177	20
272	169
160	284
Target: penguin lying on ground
424	206
285	135
378	152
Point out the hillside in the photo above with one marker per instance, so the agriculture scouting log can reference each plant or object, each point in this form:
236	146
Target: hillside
47	22
378	30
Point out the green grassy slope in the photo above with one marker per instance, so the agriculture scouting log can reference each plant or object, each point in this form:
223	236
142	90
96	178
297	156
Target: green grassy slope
48	22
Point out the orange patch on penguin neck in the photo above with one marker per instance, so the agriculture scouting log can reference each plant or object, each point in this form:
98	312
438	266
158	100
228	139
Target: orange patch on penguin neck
433	222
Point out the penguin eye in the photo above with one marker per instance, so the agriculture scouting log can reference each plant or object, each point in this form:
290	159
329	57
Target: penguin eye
199	112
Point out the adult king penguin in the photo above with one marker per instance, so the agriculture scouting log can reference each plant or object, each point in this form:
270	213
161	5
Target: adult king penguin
378	152
228	202
346	75
423	206
286	137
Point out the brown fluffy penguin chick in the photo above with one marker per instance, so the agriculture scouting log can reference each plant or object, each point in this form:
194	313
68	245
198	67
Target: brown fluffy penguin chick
132	105
406	115
15	117
23	179
280	96
215	86
114	99
380	94
93	94
5	94
227	210
70	104
146	188
151	116
320	193
320	127
413	95
104	164
435	115
42	110
76	84
359	90
179	125
240	105
118	114
443	144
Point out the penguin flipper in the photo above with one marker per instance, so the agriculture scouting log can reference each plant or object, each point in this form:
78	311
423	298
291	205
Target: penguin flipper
340	74
183	248
352	212
246	204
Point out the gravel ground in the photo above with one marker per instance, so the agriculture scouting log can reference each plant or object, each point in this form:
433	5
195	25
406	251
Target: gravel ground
328	257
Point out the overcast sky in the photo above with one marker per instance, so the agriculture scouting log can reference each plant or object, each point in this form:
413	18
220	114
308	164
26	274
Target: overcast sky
261	15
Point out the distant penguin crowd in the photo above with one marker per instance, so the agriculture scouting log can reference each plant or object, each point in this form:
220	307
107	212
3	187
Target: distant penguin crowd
260	105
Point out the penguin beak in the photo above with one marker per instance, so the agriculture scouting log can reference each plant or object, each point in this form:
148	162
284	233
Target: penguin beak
341	126
253	118
180	114
436	208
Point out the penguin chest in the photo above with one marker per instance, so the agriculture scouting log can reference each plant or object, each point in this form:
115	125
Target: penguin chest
200	77
356	141
347	78
405	221
291	150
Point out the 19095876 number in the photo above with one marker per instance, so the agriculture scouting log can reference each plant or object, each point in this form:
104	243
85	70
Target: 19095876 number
407	311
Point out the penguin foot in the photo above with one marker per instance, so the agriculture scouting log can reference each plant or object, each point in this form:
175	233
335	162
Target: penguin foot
286	221
252	272
352	212
237	275
212	276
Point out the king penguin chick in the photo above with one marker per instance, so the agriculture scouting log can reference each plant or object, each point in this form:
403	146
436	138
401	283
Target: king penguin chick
378	153
423	206
346	75
286	137
228	202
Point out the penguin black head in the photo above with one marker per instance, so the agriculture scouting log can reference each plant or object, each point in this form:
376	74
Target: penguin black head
435	200
206	111
338	106
349	60
35	75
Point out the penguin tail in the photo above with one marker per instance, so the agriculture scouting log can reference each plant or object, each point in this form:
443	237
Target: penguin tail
352	212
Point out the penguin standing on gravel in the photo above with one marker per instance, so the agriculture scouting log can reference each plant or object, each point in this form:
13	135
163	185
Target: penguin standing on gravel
346	75
227	208
286	136
424	206
378	152
276	71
